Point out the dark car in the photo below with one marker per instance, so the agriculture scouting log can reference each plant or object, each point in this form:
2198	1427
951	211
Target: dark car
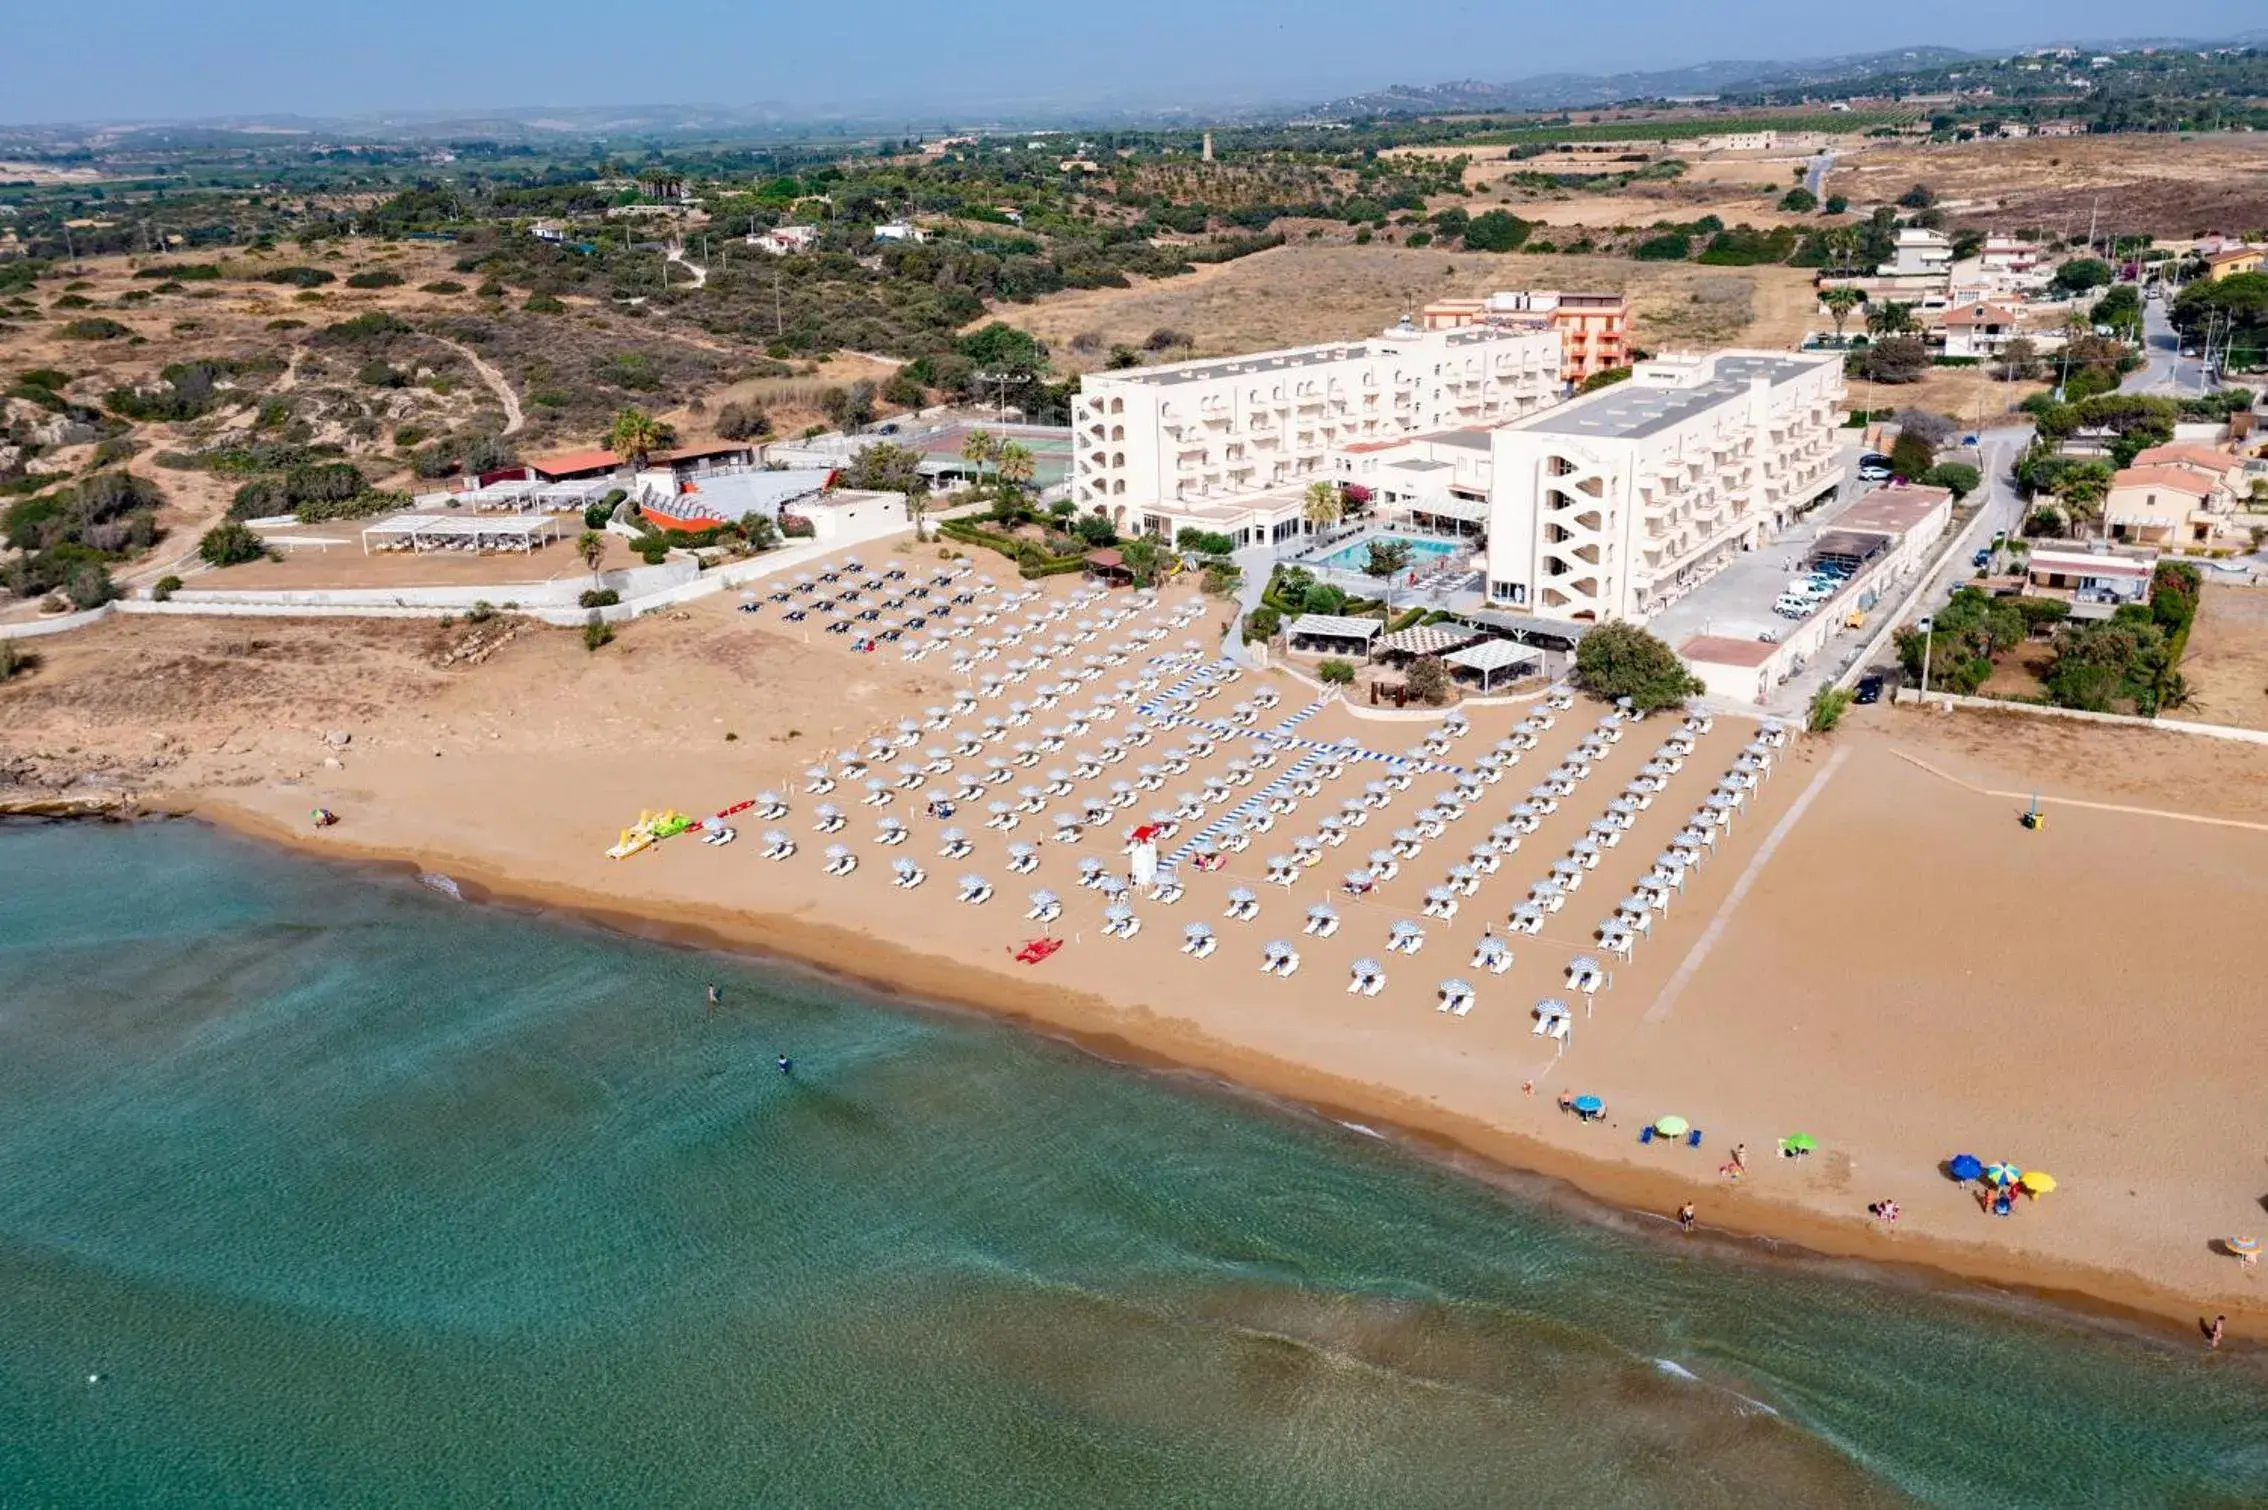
1869	690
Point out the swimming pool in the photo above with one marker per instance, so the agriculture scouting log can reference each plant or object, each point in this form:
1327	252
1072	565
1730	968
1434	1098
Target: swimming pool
1423	552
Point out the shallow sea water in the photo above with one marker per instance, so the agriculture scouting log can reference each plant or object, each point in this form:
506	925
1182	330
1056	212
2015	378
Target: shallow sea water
345	1192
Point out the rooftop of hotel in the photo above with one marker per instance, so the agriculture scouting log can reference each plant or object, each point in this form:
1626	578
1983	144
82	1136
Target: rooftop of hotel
1205	369
1634	409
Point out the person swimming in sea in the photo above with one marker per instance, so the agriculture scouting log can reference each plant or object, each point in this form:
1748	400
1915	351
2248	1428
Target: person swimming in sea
787	1065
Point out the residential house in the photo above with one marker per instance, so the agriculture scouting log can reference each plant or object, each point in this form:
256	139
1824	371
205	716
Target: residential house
2095	583
900	230
2230	261
1977	331
785	240
2178	495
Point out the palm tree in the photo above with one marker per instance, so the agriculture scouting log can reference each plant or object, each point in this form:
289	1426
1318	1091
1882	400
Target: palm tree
635	436
2082	489
979	448
1014	464
1141	557
1839	303
1321	508
1889	318
591	546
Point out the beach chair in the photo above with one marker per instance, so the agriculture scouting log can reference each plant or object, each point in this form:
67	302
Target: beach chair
1405	937
827	818
1441	902
1242	905
771	806
1166	890
1526	918
975	890
891	831
1585	975
1322	921
1023	859
1464	879
817	781
1561	1027
778	845
1283	870
1120	922
1493	955
906	875
1261	820
1455	996
1235	841
1366	977
840	860
1383	865
1198	941
1091	871
1046	907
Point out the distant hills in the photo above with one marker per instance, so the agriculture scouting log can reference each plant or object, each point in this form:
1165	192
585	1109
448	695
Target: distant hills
1572	91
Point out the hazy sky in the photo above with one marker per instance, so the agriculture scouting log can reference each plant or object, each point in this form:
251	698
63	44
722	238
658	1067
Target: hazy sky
139	59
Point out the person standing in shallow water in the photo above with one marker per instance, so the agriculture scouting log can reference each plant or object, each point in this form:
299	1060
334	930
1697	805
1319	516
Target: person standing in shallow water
787	1065
1685	1217
715	996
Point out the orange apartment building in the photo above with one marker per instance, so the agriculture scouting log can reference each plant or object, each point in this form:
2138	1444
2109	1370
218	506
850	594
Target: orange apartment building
1594	329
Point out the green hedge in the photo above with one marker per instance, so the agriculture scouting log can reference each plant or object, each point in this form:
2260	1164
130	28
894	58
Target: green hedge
1030	560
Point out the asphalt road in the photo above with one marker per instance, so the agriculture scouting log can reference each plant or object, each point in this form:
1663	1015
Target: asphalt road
2164	368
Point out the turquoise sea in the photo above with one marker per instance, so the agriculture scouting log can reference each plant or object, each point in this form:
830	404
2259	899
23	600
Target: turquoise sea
322	1188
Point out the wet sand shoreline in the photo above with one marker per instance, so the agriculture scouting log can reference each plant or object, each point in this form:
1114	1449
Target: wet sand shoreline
1738	1223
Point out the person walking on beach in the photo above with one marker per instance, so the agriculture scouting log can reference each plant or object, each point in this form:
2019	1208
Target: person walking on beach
1685	1217
2213	1332
787	1066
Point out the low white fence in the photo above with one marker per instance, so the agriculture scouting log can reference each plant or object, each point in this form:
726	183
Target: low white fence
2126	720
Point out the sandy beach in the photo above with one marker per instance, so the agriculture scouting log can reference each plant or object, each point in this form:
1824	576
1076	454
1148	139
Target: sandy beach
1875	953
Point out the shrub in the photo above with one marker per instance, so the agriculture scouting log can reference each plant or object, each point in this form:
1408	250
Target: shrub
443	286
93	328
1799	201
599	597
231	543
375	278
1496	231
491	289
14	661
1336	673
1605	377
544	304
89	586
166	587
1828	705
381	373
1618	660
597	633
1956	477
743	422
1670	246
596	515
299	277
1427	679
1262	623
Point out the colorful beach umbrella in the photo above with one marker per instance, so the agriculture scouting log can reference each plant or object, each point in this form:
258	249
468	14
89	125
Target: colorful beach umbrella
1966	1166
1671	1127
1589	1104
2039	1182
2002	1174
2242	1247
1802	1142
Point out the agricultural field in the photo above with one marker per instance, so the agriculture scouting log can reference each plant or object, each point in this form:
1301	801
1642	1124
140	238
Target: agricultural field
2166	185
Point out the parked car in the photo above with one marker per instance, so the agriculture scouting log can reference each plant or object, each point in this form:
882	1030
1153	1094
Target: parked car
1869	690
1982	558
1873	472
1789	607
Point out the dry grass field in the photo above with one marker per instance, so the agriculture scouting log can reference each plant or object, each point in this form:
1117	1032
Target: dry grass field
2227	662
1311	292
2169	186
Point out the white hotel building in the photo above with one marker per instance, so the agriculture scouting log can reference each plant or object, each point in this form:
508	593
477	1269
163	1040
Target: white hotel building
1615	504
1231	444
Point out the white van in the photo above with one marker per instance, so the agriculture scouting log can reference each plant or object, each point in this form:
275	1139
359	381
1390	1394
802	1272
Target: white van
1789	606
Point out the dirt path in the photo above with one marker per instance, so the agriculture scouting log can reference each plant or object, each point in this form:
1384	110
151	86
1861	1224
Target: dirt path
513	417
